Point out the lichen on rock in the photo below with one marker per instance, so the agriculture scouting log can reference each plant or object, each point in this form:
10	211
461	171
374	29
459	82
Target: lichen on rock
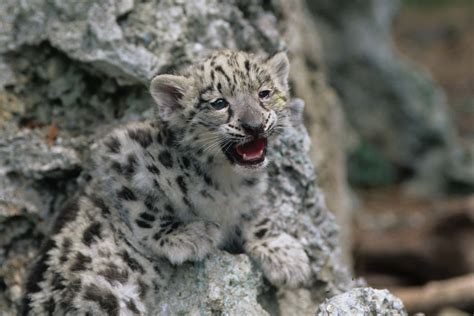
362	301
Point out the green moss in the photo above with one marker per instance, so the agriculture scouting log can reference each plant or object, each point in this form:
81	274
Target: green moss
368	167
435	3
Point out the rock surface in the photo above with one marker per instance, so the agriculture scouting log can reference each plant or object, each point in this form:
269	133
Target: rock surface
323	115
362	301
222	284
74	69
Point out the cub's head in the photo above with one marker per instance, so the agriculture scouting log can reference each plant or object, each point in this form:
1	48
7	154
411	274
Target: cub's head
226	108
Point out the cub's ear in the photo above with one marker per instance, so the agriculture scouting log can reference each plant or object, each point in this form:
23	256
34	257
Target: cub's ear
167	90
280	67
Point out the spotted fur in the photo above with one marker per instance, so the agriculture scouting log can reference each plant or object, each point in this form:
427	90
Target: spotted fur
169	191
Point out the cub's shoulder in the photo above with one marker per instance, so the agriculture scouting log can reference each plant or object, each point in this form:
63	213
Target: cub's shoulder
131	135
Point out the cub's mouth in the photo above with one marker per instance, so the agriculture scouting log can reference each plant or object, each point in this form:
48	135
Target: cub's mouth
250	154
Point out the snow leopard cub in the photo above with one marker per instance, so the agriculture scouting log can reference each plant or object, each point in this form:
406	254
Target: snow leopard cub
172	190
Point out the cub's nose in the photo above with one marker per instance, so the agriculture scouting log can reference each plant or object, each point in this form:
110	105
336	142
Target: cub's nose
254	130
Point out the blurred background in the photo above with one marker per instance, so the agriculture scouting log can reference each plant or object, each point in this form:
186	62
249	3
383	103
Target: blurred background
414	228
389	93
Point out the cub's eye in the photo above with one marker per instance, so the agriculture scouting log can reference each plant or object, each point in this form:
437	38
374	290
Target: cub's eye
219	104
264	94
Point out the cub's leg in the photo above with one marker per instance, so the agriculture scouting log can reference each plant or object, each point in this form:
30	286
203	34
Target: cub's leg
178	241
281	257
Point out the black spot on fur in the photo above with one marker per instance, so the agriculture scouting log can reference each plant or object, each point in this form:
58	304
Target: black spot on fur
182	184
230	113
247	65
126	194
153	169
117	167
167	226
57	282
263	106
263	222
186	162
75	285
68	214
66	298
36	275
186	201
91	233
132	307
251	181
191	114
169	209
207	179
142	288
166	220
147	217
113	144
159	138
141	136
143	224
200	103
166	159
81	262
149	202
50	306
100	204
65	249
259	234
219	69
131	165
157	236
206	195
174	226
157	186
112	274
206	90
170	138
131	262
197	169
103	297
40	267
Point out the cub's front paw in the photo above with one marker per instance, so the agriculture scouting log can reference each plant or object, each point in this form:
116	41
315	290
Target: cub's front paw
283	261
191	242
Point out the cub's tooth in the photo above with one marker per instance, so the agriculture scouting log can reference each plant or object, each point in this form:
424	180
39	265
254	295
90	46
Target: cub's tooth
245	157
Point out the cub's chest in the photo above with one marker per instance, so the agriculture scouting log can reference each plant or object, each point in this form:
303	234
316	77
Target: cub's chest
226	201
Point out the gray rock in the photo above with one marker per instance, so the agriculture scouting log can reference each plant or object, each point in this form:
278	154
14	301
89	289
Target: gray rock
222	284
27	152
362	301
6	74
35	178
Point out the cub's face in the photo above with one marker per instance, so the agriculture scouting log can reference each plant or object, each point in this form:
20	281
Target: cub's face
227	108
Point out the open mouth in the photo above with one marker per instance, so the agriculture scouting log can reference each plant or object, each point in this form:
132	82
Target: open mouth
248	154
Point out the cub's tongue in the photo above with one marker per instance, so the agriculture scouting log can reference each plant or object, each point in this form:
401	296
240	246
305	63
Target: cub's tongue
251	150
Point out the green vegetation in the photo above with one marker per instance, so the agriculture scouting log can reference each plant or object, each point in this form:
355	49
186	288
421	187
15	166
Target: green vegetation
437	3
367	167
